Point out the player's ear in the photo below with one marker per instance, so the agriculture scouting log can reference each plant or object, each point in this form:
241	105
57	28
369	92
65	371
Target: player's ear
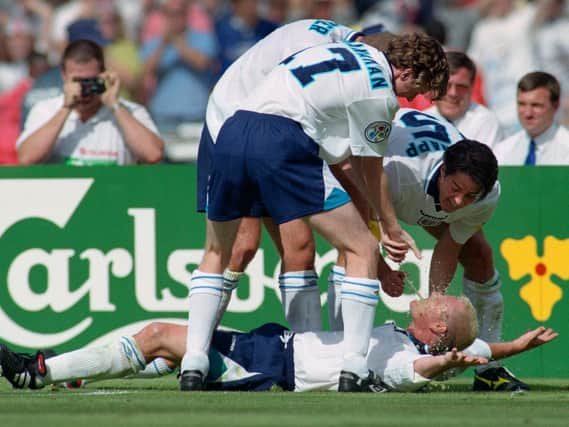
439	327
406	74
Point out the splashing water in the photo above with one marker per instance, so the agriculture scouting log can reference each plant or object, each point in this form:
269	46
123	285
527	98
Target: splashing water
413	287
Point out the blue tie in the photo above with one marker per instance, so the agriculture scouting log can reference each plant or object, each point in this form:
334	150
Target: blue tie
530	158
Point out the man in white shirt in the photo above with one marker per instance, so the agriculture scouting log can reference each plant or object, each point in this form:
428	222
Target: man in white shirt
473	120
320	106
438	343
88	124
542	141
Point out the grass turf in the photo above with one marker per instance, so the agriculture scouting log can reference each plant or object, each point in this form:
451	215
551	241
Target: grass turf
159	403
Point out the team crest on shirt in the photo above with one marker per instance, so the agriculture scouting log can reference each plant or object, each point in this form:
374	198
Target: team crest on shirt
377	132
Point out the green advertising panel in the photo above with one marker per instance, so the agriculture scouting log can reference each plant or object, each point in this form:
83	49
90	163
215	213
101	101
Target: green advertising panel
90	253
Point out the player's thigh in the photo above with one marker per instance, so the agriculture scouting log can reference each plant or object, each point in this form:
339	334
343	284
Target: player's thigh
344	228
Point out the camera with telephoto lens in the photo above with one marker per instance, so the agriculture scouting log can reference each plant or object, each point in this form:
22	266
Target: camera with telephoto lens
92	86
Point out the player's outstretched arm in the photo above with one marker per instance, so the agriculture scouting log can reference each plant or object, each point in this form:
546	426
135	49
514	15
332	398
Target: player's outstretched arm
525	342
433	366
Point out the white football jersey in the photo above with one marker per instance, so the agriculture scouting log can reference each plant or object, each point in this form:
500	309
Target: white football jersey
412	165
246	73
340	93
318	358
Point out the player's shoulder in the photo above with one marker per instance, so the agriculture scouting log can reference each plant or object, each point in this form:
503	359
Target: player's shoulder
48	106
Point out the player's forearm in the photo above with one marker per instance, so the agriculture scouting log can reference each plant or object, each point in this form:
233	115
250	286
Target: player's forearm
146	146
371	170
443	264
501	350
431	366
387	211
37	147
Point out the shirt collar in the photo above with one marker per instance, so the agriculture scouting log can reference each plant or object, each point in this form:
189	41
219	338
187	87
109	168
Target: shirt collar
431	185
545	136
421	347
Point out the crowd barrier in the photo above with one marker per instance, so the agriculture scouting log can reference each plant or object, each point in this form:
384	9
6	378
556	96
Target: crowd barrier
91	253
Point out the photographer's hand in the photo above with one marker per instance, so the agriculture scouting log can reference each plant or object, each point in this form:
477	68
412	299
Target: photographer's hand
111	95
71	93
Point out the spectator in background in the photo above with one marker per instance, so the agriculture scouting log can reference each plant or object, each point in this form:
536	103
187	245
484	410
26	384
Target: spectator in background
541	141
19	39
88	125
239	29
473	120
121	54
180	61
10	111
552	47
502	46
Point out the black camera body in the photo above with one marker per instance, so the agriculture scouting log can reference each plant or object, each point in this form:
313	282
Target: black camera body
92	86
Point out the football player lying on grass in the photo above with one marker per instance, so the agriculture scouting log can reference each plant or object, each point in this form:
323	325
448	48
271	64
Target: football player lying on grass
441	337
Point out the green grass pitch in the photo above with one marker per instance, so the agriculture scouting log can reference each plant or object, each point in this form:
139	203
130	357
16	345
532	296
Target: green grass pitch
158	403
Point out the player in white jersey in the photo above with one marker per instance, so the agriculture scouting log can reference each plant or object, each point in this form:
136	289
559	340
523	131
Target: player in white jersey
433	346
322	105
448	185
298	276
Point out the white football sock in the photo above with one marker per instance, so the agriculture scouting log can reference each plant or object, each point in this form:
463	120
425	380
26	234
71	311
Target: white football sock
335	279
301	300
359	300
489	304
230	282
205	298
113	360
157	368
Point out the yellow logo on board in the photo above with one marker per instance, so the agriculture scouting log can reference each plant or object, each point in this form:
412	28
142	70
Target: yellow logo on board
540	293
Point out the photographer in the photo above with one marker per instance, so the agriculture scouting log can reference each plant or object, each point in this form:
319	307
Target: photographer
88	124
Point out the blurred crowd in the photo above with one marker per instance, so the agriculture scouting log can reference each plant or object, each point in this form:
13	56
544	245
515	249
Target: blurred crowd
168	54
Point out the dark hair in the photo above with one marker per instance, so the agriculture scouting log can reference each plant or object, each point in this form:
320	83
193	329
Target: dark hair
475	160
539	79
83	51
457	60
424	56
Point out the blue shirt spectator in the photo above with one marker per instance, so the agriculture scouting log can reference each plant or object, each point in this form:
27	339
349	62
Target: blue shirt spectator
180	61
240	29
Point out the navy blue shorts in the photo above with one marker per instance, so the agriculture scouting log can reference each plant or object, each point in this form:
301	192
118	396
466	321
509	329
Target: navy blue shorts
254	361
205	153
265	162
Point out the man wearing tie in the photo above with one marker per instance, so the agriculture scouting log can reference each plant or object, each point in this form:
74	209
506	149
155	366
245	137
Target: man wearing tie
542	141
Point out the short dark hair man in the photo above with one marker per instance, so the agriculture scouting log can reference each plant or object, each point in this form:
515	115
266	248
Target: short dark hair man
542	141
88	124
475	121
